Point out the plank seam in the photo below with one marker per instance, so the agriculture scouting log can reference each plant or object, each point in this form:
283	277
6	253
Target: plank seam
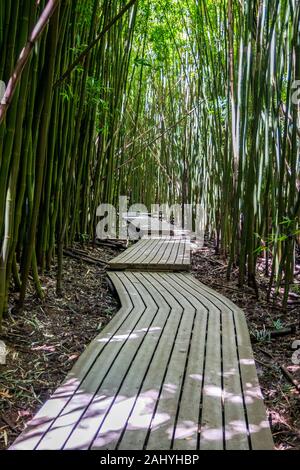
85	376
210	292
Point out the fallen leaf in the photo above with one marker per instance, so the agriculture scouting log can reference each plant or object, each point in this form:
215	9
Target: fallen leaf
4	434
5	394
73	357
44	348
23	413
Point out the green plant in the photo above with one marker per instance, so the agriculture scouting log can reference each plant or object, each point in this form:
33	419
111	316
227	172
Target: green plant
262	335
278	324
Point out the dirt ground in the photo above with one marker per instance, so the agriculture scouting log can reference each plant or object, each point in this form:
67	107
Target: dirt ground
44	343
47	339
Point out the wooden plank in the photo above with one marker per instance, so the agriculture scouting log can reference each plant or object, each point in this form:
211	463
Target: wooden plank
174	342
161	436
89	393
151	247
161	254
180	252
236	430
260	433
187	252
151	255
187	427
139	250
174	253
139	246
96	414
259	429
136	250
144	413
156	268
164	253
133	402
43	420
211	430
151	225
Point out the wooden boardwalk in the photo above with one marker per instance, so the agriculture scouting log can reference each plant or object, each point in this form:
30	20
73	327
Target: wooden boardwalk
174	369
145	225
155	254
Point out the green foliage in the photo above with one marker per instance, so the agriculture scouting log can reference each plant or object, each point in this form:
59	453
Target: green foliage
67	93
142	61
94	91
278	324
83	238
290	234
263	335
179	102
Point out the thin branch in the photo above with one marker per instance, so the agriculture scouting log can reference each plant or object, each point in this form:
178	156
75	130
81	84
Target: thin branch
156	138
25	54
81	56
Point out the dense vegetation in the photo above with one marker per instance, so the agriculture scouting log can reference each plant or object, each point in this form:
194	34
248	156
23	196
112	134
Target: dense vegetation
189	101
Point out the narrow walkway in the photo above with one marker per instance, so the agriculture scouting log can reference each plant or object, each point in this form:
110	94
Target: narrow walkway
173	370
155	254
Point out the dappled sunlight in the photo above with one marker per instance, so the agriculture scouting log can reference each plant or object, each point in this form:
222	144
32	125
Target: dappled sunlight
68	387
86	429
212	391
230	373
136	413
112	424
37	427
185	430
247	362
256	428
252	394
135	334
233	398
211	434
132	401
100	420
159	419
119	338
143	411
235	428
169	390
197	377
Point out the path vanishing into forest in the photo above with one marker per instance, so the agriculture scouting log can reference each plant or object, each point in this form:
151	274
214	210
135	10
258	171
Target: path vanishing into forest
174	369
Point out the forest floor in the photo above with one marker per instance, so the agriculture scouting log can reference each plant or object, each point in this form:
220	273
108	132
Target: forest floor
44	343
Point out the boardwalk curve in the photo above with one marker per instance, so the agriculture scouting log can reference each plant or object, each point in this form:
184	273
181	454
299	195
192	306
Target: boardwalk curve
174	369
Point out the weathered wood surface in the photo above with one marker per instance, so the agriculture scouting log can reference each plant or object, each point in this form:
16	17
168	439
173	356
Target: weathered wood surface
173	370
155	254
148	225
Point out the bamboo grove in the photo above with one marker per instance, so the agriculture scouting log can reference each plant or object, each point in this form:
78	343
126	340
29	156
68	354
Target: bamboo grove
163	101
